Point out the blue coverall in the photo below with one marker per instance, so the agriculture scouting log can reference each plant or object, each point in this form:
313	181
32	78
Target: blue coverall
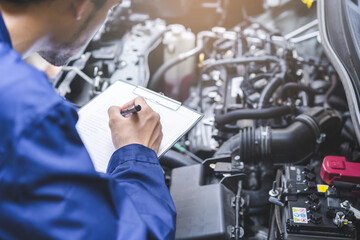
48	186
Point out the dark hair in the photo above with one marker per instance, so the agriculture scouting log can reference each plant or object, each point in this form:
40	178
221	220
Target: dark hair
98	3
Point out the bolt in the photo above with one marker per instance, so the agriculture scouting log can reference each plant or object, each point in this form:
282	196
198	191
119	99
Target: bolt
274	186
299	72
345	204
273	192
241	165
321	139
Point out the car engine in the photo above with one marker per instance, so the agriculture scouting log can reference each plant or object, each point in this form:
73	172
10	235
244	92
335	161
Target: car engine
275	155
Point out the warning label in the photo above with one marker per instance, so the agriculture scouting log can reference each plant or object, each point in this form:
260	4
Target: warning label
299	215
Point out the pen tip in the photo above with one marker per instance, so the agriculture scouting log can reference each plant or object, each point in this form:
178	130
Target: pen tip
137	107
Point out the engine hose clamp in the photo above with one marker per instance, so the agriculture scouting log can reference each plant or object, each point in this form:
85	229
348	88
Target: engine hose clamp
265	134
311	123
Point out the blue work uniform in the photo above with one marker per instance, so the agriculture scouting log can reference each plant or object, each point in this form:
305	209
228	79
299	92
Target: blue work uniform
48	186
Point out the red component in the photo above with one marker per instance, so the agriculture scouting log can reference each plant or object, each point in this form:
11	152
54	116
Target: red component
338	169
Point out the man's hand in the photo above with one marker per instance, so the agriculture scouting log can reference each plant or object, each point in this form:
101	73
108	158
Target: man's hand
143	127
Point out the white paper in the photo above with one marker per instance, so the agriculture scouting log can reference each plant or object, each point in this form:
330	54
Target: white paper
93	124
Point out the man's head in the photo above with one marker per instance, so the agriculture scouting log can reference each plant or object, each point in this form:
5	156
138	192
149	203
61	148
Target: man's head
56	29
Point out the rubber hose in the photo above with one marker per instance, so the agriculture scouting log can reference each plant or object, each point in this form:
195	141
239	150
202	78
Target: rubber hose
290	144
267	113
298	87
180	58
172	62
269	90
293	143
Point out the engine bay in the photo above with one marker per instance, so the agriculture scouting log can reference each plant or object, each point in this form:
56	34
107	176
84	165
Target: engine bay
275	155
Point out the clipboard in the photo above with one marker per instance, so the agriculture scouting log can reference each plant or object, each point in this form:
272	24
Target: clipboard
157	98
94	130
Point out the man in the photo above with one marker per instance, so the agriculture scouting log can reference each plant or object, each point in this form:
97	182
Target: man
48	186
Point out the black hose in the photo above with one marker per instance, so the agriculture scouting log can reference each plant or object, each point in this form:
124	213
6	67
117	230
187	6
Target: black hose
180	58
298	87
267	113
271	87
295	142
174	159
172	62
269	90
278	145
291	144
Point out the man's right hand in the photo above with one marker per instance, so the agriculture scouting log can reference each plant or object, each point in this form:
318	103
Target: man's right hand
142	128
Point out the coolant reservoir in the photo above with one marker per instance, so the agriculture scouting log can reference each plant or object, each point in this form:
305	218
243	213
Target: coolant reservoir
179	78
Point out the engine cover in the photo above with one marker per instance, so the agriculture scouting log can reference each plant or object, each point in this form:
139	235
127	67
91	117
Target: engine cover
204	210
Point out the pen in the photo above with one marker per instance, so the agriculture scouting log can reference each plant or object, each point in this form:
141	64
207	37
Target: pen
131	109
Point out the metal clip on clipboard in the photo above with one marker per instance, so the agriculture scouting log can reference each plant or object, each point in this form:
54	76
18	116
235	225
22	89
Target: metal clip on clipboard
157	98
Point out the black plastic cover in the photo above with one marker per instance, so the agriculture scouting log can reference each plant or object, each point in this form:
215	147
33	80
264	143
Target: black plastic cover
203	211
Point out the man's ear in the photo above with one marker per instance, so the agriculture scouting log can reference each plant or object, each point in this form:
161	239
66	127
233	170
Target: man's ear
79	7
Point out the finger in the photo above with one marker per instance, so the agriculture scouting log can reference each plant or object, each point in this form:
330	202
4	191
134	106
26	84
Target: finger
140	100
128	104
114	116
145	108
114	111
136	101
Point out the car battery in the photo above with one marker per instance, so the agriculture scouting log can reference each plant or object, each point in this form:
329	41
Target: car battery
314	210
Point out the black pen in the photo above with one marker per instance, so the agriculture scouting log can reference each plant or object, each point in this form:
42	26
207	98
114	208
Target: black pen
131	109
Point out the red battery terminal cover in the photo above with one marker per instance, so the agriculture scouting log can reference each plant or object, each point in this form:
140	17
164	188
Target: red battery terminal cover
338	169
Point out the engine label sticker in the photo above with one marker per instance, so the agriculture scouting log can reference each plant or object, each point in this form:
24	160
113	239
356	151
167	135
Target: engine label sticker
299	215
322	188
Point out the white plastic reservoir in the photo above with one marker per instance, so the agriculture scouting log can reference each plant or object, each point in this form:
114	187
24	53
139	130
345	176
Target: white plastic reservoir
179	78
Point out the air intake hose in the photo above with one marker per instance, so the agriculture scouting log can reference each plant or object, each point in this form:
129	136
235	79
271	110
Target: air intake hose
291	144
